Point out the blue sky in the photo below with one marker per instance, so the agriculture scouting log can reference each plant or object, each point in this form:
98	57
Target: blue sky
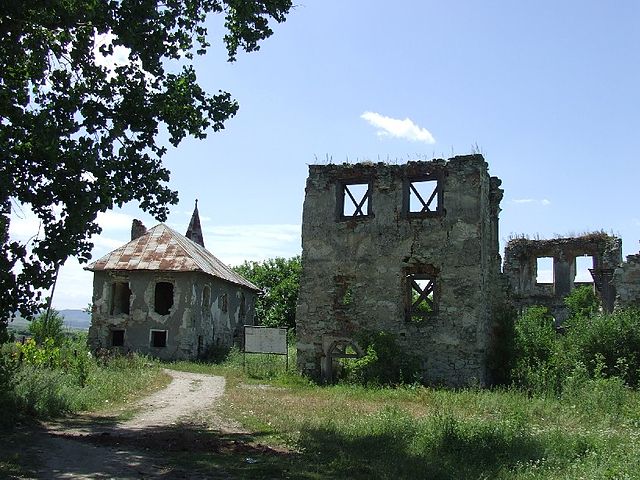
549	92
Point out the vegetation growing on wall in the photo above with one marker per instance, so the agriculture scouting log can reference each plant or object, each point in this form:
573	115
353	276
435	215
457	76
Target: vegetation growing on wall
383	363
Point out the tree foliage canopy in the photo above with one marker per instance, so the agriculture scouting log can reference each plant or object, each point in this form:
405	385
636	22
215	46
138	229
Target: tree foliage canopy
279	278
79	131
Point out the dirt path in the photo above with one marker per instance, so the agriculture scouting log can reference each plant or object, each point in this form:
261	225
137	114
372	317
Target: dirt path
170	419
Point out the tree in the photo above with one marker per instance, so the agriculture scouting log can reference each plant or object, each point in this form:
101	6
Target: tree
79	133
279	278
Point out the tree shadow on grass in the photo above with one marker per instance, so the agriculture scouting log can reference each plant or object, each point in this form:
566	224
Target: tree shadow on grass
176	451
417	454
394	447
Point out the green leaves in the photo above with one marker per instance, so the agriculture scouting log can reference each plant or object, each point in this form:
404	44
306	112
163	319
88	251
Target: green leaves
80	134
279	279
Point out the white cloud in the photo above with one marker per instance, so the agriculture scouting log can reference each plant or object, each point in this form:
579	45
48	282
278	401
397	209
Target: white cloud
393	127
111	220
233	244
74	287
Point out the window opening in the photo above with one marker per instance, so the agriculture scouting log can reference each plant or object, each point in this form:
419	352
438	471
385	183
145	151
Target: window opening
422	303
158	338
355	200
424	196
341	358
544	270
163	297
120	298
223	302
243	308
583	264
117	338
206	297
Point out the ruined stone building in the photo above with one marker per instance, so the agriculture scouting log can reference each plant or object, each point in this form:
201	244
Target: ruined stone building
413	250
626	279
600	253
165	295
409	249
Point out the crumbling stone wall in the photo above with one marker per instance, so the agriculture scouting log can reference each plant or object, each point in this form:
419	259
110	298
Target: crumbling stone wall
627	282
520	270
195	322
358	268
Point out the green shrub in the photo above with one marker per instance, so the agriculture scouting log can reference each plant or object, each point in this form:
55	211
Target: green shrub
535	345
8	369
44	354
614	337
42	392
384	362
594	348
48	325
595	394
46	380
582	302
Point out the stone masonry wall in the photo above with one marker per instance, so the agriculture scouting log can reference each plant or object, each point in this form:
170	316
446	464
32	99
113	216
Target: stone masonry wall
520	269
627	281
356	271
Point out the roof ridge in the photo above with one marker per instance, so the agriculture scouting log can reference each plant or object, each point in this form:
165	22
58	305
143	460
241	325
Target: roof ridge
145	254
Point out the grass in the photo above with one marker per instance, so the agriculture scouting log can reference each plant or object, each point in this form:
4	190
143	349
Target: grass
76	383
297	429
345	431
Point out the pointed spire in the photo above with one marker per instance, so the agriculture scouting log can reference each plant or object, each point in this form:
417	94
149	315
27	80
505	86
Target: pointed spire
194	232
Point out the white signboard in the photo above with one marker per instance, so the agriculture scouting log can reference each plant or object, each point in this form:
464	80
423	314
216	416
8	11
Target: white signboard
265	340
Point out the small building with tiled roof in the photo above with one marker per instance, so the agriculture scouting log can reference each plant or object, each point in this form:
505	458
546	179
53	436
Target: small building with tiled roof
165	295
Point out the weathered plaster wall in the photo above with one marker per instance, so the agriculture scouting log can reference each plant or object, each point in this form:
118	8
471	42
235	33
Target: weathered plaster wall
367	259
520	269
187	320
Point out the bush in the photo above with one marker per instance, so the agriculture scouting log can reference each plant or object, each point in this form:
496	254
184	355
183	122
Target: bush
535	344
46	326
582	302
613	338
8	369
279	280
594	348
40	392
384	362
47	380
595	394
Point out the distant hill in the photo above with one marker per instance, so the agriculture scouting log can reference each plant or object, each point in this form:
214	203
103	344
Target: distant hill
78	319
75	319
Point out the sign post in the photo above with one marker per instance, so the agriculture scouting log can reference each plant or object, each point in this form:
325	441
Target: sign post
265	340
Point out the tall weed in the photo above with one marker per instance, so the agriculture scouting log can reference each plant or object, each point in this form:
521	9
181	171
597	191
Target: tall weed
384	362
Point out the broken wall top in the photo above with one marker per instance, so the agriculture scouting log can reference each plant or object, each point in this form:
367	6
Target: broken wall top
607	248
346	171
